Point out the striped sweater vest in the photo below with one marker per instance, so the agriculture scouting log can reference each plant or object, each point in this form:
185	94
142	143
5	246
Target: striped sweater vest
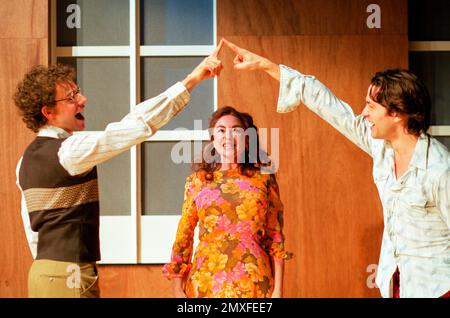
64	209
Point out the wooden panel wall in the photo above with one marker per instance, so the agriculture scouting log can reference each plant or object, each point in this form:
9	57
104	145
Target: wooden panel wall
333	217
24	39
23	43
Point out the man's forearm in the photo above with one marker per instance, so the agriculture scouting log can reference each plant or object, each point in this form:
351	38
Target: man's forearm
82	151
271	68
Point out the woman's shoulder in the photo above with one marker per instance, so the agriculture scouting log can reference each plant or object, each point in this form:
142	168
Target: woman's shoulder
197	177
194	183
264	174
261	177
269	179
192	177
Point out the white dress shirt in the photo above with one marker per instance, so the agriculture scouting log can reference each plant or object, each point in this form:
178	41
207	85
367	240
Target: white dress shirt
82	151
416	207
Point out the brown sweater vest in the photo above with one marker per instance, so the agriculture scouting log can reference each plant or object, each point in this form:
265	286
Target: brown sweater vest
64	209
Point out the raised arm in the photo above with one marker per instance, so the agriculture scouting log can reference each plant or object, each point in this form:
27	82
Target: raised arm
82	151
297	88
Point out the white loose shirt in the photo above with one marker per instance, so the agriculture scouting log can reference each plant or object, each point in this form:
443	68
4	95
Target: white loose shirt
416	207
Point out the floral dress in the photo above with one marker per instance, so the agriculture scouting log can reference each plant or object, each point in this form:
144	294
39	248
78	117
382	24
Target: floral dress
240	226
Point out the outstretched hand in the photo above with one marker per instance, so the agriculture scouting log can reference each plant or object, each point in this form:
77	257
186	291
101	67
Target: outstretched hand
249	61
245	60
211	66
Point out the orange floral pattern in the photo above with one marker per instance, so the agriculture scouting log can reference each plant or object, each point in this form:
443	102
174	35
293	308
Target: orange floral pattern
240	222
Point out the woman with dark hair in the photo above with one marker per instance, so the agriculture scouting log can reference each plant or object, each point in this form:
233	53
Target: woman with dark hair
240	216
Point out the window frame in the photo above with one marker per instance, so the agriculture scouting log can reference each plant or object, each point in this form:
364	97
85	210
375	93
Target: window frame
433	46
137	238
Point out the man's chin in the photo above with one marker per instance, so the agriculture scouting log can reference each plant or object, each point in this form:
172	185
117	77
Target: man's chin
376	136
80	128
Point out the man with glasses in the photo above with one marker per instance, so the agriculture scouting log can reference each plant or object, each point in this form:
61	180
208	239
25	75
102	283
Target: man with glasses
57	174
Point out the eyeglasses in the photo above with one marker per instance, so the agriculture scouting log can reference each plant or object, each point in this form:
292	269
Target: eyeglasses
72	96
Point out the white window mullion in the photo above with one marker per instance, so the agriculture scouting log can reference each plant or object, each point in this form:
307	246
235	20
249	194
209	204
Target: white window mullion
119	234
427	46
440	130
135	151
178	135
93	51
215	88
176	50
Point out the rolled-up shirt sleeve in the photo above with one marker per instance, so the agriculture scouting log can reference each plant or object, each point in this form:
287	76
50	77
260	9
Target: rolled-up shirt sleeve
297	88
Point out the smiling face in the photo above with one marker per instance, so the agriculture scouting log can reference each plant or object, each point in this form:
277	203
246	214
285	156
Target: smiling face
227	138
67	113
382	124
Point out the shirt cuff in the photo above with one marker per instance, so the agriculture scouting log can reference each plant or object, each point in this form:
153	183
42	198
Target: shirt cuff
284	105
178	89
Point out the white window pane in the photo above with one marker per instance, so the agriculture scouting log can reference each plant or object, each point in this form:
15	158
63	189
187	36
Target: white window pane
159	73
92	22
177	22
114	183
106	84
163	180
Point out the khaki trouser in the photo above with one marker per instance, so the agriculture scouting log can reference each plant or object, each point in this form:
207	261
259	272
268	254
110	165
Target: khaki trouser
55	279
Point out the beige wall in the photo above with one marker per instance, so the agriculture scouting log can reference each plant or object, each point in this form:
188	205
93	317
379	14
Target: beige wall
23	43
333	219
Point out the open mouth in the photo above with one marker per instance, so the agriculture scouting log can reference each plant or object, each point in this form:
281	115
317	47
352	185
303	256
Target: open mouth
79	116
